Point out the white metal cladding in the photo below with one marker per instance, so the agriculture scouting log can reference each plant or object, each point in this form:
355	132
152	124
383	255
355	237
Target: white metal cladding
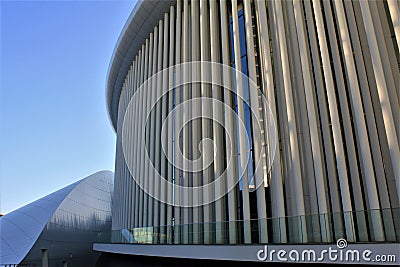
21	228
64	222
330	71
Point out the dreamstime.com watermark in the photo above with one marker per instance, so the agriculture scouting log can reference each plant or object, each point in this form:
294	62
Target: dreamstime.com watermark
341	253
157	130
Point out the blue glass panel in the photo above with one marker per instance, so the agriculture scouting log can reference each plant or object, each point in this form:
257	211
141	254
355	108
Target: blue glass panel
242	34
231	39
247	118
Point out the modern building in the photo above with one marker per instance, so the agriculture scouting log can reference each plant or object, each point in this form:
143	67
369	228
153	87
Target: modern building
326	72
59	229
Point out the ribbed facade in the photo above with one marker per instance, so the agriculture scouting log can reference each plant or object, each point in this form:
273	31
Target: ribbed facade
330	71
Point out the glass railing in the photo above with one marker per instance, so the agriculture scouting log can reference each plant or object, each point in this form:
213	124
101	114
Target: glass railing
355	226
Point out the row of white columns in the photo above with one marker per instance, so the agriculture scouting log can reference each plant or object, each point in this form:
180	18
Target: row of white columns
331	87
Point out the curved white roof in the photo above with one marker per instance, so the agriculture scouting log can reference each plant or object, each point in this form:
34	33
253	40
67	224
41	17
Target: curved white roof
21	229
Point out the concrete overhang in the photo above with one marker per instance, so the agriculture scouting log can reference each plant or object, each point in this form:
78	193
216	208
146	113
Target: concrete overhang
294	253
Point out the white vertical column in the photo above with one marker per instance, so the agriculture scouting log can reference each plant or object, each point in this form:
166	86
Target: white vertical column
186	175
164	190
135	140
129	135
118	182
206	112
231	144
133	179
139	138
145	59
395	16
196	132
124	173
157	131
151	124
171	137
177	160
336	129
217	116
242	135
132	182
295	158
146	128
137	151
382	92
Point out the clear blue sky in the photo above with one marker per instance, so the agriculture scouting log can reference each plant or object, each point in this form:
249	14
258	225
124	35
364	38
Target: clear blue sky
54	123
